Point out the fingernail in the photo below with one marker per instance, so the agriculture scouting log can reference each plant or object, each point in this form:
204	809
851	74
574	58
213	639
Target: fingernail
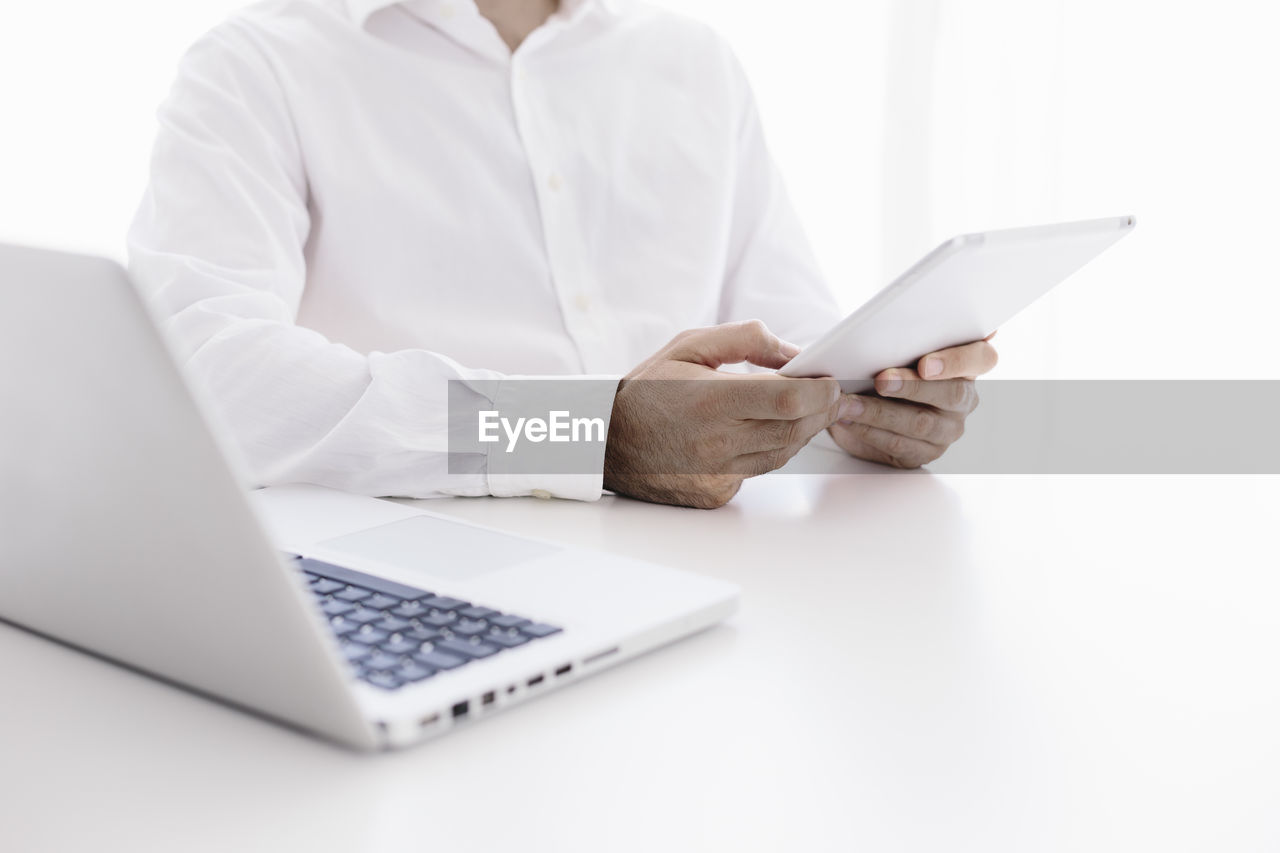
931	367
891	383
850	407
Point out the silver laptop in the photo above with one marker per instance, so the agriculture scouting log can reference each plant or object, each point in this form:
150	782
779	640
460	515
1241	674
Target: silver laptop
125	532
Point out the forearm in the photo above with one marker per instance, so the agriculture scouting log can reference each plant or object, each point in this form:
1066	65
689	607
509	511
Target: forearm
300	408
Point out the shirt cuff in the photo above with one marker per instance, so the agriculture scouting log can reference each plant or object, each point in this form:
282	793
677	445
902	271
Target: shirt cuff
568	461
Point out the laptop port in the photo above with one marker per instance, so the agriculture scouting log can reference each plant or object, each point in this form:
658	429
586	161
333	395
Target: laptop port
564	670
537	679
489	698
460	710
429	721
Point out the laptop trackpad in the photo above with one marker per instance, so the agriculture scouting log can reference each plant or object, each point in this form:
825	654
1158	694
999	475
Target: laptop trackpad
441	548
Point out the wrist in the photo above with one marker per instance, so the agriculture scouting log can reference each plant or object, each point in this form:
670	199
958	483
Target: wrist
614	441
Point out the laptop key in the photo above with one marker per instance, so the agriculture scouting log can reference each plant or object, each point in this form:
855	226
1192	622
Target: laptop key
381	660
477	612
368	634
508	620
324	586
469	627
439	660
507	641
337	608
441	602
423	634
353	593
414	671
385	680
364	615
537	629
466	648
439	619
400	645
355	651
393	624
354	578
381	601
409	609
340	625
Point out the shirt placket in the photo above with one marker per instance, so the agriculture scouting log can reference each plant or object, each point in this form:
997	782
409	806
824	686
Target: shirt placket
561	230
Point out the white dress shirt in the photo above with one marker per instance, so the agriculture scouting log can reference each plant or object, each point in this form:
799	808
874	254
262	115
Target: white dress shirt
353	201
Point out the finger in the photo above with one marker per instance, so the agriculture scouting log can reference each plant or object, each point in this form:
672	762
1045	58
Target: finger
773	435
879	445
762	462
731	343
968	360
902	418
773	397
950	395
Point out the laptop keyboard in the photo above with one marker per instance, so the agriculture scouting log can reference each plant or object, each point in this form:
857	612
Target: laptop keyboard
396	635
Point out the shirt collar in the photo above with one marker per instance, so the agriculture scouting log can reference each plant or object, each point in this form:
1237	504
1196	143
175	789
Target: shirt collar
360	10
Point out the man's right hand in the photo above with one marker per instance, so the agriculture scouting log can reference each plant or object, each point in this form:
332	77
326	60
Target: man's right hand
692	441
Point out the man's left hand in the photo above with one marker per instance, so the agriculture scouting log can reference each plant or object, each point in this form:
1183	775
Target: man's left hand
916	413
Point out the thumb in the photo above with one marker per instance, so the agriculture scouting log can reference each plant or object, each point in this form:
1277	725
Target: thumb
731	343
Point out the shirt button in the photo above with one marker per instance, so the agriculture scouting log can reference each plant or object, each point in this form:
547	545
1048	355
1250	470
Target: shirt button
541	494
583	301
554	183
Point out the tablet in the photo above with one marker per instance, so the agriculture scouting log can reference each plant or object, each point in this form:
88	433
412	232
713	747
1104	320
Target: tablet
962	291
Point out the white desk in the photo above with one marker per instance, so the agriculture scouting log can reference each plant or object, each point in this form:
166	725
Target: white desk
920	664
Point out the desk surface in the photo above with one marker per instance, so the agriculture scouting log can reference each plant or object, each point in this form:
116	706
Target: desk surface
921	663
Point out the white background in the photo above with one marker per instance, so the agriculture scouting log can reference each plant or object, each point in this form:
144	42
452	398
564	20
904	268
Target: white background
897	123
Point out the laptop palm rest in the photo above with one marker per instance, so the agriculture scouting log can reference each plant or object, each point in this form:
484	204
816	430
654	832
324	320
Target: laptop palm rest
442	549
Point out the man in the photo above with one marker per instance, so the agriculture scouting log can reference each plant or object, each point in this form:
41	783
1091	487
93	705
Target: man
353	202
